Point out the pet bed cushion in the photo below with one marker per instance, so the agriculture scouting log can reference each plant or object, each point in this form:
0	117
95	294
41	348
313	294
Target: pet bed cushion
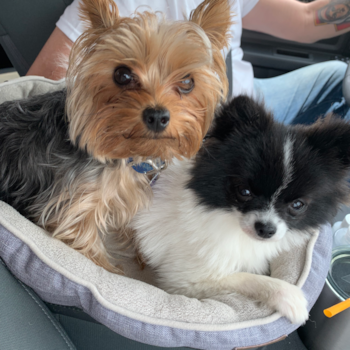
132	306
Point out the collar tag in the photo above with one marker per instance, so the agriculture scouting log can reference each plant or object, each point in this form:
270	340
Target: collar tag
149	166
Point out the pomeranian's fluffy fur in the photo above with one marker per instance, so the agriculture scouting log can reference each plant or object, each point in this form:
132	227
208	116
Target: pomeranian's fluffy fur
255	189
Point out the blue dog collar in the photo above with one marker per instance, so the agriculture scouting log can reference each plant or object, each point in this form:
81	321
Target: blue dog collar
142	168
149	167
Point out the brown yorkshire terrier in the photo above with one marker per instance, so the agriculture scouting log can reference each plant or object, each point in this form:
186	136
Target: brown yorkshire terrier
139	89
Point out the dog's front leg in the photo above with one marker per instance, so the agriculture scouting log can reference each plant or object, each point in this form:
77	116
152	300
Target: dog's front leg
279	295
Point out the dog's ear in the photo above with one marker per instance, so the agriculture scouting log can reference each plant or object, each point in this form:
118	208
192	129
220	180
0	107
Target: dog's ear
99	13
330	137
241	115
215	18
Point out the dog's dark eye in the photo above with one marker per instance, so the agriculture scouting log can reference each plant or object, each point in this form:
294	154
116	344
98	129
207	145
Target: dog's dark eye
244	194
297	207
186	85
123	76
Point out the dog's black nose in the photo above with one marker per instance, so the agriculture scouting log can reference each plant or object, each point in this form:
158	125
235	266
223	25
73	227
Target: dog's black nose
265	230
156	119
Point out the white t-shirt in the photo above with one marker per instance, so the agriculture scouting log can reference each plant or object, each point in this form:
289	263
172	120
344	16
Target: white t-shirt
242	72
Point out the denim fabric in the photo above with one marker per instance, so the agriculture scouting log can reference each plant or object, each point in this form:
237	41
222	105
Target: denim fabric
304	95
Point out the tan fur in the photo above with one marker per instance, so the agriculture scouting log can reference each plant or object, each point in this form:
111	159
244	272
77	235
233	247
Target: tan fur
106	119
92	210
99	13
160	53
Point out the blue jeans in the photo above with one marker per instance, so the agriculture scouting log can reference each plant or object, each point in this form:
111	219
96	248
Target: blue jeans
304	95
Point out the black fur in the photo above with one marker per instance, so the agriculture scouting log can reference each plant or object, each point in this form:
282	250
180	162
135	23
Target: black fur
245	149
36	155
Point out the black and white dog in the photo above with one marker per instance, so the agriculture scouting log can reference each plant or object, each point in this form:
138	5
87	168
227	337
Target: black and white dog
254	190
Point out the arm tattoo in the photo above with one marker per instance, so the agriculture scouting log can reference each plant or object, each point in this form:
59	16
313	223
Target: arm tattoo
337	12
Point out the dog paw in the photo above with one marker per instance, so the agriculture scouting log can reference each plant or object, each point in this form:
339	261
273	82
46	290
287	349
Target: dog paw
290	302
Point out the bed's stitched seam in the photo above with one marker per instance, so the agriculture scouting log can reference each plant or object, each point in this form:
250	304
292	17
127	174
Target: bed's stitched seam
57	307
43	310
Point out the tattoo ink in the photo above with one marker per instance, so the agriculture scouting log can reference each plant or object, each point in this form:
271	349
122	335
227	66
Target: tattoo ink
337	12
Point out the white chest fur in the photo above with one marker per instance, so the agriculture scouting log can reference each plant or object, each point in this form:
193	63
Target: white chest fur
187	243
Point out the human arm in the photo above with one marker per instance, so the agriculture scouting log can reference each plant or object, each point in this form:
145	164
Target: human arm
50	61
298	21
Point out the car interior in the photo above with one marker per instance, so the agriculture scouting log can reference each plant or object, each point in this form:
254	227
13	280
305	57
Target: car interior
24	28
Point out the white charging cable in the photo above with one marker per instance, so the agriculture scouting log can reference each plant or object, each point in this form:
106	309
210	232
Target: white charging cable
341	231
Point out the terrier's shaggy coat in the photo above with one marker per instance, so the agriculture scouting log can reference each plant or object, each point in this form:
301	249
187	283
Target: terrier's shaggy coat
139	87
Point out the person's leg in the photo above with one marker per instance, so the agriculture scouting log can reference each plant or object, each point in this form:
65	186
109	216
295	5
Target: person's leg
303	95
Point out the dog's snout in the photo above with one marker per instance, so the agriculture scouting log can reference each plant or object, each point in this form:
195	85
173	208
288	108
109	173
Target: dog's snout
156	119
265	230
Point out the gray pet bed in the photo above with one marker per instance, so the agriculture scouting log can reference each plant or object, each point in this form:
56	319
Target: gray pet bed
132	306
